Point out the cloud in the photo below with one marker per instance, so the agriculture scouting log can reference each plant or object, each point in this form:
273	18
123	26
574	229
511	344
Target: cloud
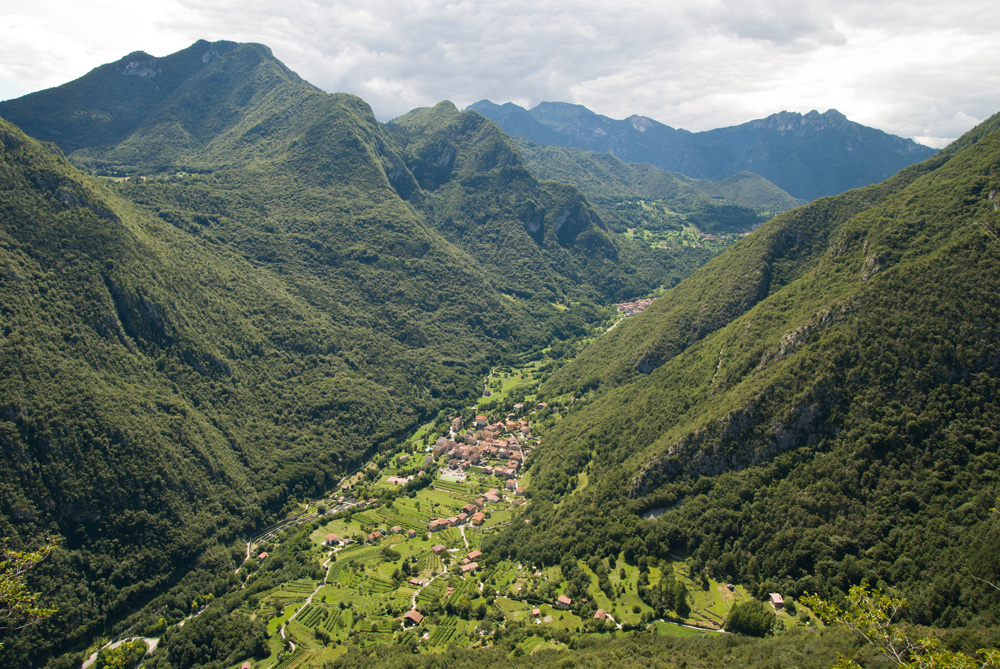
911	67
781	22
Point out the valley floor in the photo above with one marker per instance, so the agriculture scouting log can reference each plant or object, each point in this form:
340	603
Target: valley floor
395	560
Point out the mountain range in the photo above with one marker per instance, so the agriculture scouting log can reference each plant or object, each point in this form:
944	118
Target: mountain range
808	155
222	289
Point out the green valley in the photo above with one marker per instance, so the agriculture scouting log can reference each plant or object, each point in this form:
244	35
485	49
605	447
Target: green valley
288	386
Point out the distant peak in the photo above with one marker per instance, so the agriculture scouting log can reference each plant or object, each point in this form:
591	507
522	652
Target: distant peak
562	106
139	55
786	120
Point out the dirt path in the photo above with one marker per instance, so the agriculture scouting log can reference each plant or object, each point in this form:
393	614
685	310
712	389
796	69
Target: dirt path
327	565
413	600
461	530
245	560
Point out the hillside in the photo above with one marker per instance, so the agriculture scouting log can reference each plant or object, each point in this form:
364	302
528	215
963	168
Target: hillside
808	156
285	297
809	410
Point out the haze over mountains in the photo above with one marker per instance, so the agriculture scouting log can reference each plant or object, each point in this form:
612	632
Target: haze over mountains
286	286
808	156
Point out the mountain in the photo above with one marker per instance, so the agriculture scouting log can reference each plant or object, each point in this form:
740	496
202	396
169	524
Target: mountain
280	288
810	410
105	106
808	156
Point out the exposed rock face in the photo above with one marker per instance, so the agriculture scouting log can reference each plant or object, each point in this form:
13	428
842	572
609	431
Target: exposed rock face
141	65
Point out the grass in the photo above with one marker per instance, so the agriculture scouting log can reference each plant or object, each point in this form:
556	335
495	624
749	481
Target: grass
673	629
522	379
533	644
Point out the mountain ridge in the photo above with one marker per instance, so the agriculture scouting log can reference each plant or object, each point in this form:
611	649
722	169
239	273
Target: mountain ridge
807	155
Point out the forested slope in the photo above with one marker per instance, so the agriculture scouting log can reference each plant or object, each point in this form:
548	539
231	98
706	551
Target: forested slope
812	409
158	393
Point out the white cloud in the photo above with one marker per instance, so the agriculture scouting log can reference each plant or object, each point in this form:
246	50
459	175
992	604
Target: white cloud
919	68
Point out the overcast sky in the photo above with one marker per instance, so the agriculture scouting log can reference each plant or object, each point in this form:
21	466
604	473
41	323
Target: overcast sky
926	69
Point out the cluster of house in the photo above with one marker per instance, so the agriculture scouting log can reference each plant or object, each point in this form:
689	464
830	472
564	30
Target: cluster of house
470	562
472	512
633	308
494	447
345	502
333	540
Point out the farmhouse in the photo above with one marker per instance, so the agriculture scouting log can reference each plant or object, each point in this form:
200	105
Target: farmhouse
776	601
564	602
332	540
411	618
472	566
438	549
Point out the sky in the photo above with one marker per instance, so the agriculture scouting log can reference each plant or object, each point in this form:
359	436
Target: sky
926	69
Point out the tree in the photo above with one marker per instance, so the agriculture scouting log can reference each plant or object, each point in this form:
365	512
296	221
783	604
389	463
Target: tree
18	603
870	613
751	618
